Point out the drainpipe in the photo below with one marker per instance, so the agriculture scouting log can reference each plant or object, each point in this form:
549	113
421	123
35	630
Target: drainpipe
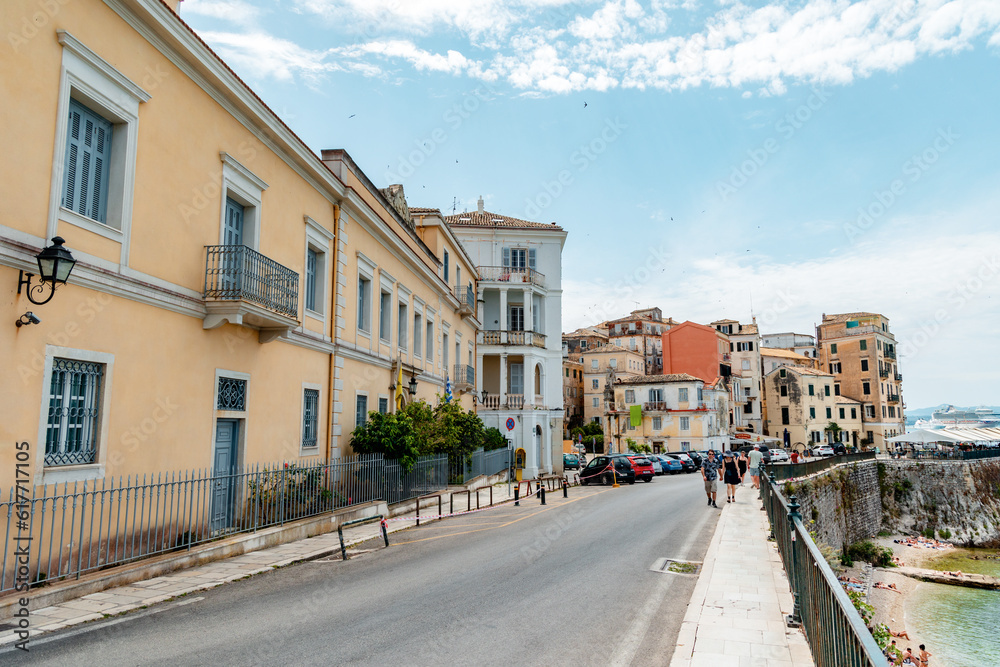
333	328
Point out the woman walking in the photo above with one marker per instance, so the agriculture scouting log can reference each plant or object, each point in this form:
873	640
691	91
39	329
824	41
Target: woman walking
731	476
744	463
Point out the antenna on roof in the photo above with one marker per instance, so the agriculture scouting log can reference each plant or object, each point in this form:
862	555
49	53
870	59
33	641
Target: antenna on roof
751	304
454	204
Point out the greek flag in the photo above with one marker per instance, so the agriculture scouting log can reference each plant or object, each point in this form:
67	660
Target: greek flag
447	390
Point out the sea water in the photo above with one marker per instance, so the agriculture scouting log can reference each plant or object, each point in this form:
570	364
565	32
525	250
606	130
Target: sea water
957	624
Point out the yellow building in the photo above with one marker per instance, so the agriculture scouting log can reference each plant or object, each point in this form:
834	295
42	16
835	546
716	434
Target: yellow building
676	413
602	365
802	401
236	298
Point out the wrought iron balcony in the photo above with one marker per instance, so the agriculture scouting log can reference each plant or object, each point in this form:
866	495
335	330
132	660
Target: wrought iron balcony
510	274
883	373
899	377
892	398
889	354
245	287
655	406
466	300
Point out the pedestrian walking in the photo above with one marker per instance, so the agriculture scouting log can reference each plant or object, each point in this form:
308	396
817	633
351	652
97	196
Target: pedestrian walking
731	476
710	473
744	463
755	458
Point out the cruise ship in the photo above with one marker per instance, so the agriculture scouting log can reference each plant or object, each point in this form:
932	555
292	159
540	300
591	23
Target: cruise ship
952	417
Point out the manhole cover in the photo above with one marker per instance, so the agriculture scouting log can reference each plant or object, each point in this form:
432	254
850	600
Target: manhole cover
674	566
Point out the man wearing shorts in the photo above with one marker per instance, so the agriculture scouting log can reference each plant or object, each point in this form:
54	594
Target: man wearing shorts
710	473
755	458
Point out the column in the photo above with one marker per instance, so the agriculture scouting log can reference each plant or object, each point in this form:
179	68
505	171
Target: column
529	380
479	373
503	378
503	325
526	296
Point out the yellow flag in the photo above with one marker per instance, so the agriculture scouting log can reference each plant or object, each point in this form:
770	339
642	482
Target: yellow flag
399	387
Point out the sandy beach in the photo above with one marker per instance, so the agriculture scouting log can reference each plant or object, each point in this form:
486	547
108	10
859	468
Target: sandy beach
890	605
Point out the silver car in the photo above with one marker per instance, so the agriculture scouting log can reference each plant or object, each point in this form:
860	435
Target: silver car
779	455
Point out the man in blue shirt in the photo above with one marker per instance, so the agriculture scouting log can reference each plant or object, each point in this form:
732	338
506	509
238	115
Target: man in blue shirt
710	473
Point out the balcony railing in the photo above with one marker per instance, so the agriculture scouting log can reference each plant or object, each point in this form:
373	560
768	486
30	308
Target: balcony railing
892	398
465	375
466	299
883	373
899	377
889	354
508	402
510	274
239	273
655	406
500	337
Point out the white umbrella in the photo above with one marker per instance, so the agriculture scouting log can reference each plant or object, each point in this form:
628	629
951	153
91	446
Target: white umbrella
924	436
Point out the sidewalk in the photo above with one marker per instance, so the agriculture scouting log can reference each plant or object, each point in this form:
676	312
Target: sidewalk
736	616
140	594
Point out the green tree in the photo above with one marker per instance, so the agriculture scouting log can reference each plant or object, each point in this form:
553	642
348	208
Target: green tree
493	439
637	447
421	415
391	435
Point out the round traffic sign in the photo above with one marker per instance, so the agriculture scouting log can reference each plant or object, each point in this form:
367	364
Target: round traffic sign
510	423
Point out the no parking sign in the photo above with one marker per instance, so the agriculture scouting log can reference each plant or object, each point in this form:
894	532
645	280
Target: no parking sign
510	423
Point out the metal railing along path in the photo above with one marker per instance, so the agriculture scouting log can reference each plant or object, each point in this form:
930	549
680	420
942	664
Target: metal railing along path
480	463
836	633
87	526
782	471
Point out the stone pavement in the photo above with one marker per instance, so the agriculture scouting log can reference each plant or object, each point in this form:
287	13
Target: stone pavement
736	617
141	594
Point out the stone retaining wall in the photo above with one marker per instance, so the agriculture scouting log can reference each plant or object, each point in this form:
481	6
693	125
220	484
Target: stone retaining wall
955	501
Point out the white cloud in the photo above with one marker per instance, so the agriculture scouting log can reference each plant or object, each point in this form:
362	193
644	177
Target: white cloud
265	56
239	12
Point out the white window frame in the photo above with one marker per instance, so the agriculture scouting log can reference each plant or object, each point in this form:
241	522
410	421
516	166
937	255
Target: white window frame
429	337
388	404
368	409
318	240
418	328
366	270
86	471
657	423
303	450
685	423
94	83
403	298
247	189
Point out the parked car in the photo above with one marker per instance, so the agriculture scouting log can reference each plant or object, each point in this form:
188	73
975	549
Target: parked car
686	463
599	471
696	457
674	466
839	449
657	464
664	462
571	462
823	450
643	466
779	455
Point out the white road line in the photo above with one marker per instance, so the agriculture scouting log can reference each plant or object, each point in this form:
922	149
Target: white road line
90	627
636	633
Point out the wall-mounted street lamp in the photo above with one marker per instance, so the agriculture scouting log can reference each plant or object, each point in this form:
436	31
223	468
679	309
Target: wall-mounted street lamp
412	387
26	319
55	263
482	399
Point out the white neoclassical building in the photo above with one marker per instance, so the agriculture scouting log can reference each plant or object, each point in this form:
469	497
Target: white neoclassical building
519	349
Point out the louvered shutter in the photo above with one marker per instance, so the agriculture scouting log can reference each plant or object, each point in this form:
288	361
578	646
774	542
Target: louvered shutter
88	153
531	258
506	256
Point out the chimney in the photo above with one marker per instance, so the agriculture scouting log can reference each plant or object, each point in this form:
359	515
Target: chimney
480	203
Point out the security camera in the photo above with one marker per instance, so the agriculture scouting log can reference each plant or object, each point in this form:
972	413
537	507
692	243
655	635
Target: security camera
26	319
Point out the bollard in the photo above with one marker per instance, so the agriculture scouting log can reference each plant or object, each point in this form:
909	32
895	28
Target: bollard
517	492
385	534
565	489
541	494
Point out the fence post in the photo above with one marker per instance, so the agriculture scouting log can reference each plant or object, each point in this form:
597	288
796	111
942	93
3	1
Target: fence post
794	620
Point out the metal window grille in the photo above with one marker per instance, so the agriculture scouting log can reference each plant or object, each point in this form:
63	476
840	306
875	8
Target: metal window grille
232	394
310	410
74	408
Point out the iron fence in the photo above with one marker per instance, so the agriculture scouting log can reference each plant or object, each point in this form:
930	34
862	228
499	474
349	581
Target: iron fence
836	633
86	526
480	463
782	471
236	272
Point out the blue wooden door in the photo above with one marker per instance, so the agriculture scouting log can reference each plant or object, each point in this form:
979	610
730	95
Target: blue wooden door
232	238
223	473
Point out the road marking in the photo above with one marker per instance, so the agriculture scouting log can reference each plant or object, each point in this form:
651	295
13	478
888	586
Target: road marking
505	524
636	633
90	627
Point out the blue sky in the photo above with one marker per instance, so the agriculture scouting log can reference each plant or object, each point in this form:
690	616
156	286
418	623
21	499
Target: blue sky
806	157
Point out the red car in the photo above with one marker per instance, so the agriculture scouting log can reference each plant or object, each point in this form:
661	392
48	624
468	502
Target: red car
643	467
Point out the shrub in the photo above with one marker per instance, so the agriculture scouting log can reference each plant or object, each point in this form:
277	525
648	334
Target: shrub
870	553
945	534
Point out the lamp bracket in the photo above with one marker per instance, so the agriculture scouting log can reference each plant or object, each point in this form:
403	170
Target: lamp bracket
24	280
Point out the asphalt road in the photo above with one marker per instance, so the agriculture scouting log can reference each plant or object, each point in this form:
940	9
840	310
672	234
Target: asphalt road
567	583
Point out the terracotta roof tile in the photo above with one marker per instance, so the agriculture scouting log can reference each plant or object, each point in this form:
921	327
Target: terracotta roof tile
844	317
657	379
778	352
487	219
